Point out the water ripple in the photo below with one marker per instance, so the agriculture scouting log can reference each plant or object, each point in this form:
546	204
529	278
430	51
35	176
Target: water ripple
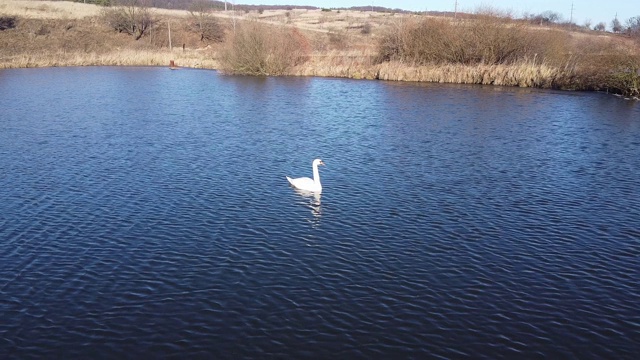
483	223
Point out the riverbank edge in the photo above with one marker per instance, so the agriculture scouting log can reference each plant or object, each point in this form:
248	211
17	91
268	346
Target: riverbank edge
524	75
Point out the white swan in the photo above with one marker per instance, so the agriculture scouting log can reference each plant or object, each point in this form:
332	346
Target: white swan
306	184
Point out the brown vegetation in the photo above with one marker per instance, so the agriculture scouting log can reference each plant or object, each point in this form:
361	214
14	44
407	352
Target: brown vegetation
442	41
493	50
203	22
258	49
7	22
132	17
484	48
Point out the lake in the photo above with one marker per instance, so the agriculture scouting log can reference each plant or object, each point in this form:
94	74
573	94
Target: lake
144	213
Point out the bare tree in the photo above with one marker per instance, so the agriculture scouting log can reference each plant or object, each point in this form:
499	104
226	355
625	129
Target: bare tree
551	16
203	22
133	17
601	26
616	27
633	26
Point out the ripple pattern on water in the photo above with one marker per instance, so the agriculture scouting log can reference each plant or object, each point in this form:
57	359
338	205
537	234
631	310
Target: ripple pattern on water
456	221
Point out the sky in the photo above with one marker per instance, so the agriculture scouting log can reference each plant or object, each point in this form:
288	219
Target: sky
594	10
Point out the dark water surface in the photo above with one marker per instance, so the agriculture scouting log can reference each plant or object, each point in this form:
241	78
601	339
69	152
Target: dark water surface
144	213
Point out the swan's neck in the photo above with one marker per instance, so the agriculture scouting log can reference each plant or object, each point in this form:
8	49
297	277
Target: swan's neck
316	174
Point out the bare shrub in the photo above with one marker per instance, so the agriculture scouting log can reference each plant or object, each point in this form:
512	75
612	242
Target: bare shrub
260	49
132	17
366	28
617	73
633	27
545	18
391	44
497	41
337	39
625	76
43	30
552	47
7	22
606	66
487	40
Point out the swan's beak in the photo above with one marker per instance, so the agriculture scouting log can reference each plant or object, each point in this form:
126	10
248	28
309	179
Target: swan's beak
322	163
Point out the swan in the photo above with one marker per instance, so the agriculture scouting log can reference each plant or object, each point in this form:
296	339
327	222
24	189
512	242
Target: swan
306	184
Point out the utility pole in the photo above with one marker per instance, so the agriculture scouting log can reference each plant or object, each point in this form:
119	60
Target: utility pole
571	17
169	25
233	15
455	9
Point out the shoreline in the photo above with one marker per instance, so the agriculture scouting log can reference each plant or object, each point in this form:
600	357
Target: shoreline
538	76
525	75
60	34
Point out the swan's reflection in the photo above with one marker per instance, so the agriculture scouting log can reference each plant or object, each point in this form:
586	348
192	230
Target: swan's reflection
314	203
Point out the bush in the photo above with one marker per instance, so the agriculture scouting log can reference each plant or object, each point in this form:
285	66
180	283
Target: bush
613	72
366	29
259	49
337	39
7	22
486	40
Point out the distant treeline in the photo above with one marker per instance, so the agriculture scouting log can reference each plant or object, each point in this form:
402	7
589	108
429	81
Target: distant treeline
220	5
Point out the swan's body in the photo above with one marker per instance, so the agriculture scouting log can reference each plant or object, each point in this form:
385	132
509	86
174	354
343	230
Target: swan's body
307	184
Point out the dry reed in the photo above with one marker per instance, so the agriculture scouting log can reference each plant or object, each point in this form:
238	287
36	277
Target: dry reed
522	74
114	58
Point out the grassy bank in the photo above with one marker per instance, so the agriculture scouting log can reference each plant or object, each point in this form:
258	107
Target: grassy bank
485	49
125	57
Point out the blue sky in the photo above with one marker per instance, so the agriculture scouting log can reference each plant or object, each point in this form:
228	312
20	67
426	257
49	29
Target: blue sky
594	10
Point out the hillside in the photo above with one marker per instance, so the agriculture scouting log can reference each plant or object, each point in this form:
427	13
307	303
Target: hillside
345	43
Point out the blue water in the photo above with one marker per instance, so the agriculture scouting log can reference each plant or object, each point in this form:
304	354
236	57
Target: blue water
145	213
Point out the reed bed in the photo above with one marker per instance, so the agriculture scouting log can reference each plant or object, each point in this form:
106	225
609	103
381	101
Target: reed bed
345	64
522	74
113	58
363	66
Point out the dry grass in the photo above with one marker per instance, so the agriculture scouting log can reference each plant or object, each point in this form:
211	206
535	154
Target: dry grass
48	9
115	58
335	63
311	20
523	74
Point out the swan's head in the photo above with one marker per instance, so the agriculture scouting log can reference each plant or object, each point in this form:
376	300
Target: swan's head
317	162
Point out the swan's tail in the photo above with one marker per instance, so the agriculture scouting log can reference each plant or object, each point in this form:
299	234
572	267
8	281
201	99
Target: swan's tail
290	180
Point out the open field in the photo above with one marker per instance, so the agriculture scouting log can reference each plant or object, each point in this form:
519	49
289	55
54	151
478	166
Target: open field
345	43
48	9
